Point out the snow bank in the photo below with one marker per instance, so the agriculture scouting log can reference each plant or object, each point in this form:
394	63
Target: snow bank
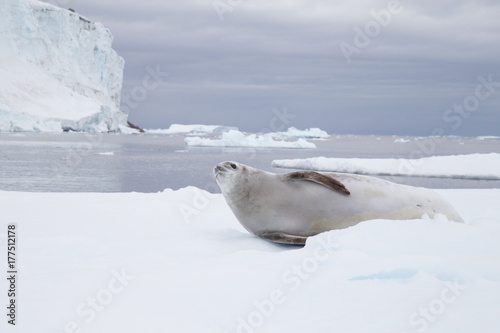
310	133
235	138
55	66
178	128
179	261
472	166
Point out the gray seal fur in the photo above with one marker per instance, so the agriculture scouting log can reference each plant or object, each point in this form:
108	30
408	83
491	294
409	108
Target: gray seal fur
288	208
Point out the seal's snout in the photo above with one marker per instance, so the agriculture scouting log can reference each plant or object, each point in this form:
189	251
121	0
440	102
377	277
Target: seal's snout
224	168
218	170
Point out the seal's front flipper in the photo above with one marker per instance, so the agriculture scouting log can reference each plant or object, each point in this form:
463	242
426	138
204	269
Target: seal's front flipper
282	238
318	178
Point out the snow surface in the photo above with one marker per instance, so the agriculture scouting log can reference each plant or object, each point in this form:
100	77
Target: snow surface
235	138
179	261
56	67
472	166
196	128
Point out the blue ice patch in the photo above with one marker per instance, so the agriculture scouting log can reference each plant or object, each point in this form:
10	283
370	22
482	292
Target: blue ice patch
398	274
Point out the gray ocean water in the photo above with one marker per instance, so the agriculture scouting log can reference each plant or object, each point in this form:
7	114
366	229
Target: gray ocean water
76	162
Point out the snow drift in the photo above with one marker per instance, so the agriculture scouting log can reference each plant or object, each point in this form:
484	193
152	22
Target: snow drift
57	68
179	261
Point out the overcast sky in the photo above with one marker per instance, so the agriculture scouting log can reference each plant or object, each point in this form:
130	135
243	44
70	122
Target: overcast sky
346	66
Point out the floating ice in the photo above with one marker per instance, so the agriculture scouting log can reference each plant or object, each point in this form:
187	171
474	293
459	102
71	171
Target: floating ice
235	138
473	166
291	133
179	128
401	140
310	133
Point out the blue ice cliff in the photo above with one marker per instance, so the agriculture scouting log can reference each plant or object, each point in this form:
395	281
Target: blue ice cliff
58	71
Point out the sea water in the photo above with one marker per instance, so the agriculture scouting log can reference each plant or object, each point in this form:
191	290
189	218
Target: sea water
77	162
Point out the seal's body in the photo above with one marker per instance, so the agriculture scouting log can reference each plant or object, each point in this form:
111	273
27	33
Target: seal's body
289	208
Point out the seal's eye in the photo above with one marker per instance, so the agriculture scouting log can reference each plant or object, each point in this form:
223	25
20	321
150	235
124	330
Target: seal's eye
233	165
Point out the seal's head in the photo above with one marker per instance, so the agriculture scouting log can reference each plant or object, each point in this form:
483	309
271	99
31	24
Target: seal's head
236	180
242	188
227	174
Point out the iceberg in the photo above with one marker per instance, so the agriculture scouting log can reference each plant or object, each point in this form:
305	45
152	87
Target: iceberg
401	140
291	133
470	166
310	133
56	67
239	139
184	129
104	121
